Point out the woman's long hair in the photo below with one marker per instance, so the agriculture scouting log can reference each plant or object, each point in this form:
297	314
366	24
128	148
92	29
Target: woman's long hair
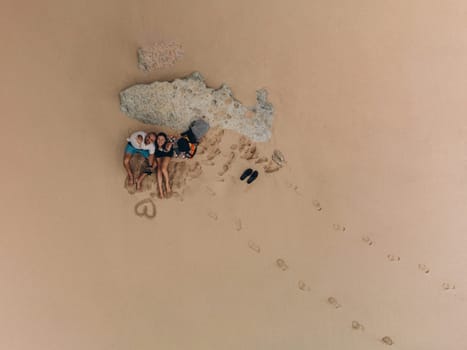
165	137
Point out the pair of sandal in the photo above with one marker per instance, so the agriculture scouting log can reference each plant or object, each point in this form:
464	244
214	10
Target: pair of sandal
252	175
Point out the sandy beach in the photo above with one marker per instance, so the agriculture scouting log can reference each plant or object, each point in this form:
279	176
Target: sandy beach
360	237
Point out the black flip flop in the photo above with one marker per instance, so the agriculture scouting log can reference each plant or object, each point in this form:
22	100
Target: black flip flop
246	173
252	177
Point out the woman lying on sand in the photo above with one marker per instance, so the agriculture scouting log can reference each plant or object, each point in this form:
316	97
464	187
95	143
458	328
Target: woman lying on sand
167	147
164	152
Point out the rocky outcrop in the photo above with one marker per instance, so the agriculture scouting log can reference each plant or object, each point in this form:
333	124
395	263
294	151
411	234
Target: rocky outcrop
175	104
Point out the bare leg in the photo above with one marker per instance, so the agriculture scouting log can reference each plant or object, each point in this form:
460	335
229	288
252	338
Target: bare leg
126	164
165	163
140	179
159	177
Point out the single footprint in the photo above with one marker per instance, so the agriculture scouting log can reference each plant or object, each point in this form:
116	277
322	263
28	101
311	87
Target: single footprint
213	137
212	215
394	258
317	205
368	240
231	157
250	153
271	167
238	224
448	286
210	191
387	340
278	158
333	301
357	326
338	227
261	160
213	154
423	268
282	264
208	162
303	286
227	164
253	246
225	168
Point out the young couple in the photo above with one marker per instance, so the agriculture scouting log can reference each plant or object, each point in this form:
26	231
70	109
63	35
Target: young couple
158	149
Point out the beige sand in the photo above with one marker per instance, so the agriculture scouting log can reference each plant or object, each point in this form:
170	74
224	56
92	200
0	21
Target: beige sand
368	213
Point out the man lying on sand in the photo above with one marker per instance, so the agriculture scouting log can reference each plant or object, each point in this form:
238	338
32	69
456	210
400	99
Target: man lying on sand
142	143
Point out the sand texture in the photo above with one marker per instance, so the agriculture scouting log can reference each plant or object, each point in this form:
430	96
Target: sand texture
159	55
353	235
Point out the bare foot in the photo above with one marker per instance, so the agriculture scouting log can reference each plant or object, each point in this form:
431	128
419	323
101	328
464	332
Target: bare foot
138	185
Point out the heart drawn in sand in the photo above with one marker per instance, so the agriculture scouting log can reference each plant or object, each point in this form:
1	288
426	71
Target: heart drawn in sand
146	207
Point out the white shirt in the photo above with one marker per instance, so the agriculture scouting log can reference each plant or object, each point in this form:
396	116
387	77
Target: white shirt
133	139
